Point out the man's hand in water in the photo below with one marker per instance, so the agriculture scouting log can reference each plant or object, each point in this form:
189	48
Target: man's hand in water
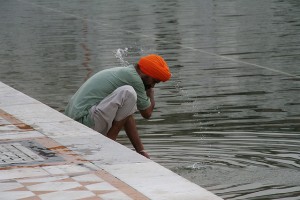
144	153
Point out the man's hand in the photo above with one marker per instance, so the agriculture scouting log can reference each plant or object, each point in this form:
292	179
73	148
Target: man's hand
144	153
148	111
133	135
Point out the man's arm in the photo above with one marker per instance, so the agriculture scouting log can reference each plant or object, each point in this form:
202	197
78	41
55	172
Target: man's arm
148	112
133	135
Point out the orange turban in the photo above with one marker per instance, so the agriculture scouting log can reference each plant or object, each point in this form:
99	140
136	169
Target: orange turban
155	66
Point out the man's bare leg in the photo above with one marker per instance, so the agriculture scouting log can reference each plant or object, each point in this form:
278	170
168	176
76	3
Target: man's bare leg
115	129
133	135
129	125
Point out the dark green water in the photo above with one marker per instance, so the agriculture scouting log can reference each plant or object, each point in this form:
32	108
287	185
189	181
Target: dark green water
229	120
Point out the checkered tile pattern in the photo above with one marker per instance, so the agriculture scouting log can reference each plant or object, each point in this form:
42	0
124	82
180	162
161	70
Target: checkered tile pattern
63	179
81	186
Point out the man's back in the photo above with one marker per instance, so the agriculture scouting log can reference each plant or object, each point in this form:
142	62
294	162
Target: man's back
100	85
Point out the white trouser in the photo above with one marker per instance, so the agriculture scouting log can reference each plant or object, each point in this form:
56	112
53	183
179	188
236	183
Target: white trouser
120	104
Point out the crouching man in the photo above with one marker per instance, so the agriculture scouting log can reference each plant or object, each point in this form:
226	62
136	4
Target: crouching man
107	101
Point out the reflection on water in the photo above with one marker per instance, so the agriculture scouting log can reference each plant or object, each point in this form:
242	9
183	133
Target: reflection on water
229	118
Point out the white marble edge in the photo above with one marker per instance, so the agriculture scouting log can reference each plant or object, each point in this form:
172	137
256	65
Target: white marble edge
11	97
157	182
101	150
148	177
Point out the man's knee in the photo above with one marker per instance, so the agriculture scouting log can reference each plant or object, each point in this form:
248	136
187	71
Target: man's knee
129	92
128	105
117	106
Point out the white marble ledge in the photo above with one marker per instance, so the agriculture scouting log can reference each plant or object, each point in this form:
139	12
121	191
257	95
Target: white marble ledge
144	175
157	182
10	97
101	150
35	113
18	135
60	129
15	98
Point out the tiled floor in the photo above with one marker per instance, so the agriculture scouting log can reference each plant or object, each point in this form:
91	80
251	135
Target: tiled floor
88	185
32	167
46	155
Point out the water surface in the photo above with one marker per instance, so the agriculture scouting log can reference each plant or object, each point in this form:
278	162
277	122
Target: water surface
229	119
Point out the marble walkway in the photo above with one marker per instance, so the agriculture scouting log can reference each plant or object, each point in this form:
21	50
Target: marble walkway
46	155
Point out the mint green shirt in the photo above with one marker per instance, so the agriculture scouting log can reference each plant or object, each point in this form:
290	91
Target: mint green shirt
99	86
